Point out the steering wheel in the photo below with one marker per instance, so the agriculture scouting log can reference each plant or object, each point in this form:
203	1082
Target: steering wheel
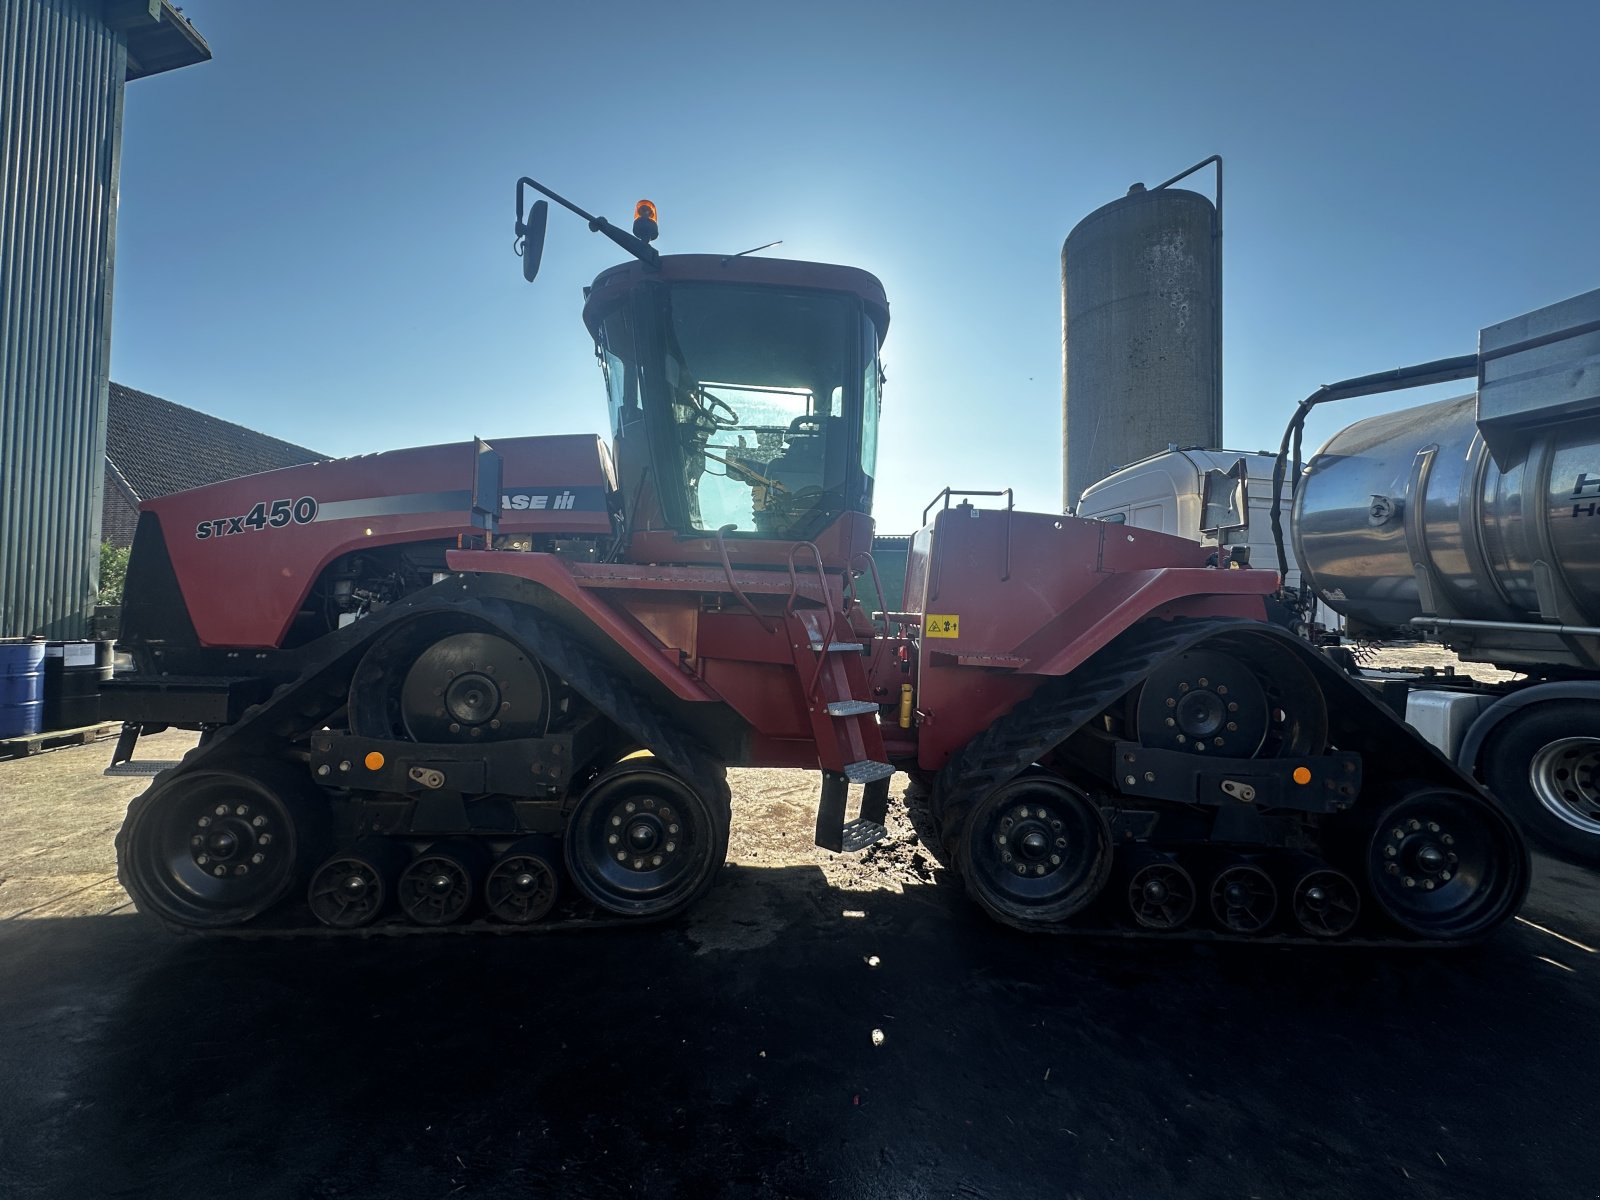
713	408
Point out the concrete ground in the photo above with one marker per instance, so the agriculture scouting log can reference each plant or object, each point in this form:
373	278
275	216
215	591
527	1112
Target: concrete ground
817	1027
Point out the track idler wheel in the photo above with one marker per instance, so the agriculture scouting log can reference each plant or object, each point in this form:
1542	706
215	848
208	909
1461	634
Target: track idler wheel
438	887
353	889
1446	864
1035	851
524	884
1161	893
1243	898
218	846
643	842
1324	902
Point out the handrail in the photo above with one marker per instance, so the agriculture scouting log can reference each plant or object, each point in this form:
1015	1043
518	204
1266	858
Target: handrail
733	584
949	492
877	585
827	603
938	566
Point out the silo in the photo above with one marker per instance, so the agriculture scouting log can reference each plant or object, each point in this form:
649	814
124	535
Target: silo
1141	332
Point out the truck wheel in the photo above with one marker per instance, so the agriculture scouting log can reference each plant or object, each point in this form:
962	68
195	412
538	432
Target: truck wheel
1543	763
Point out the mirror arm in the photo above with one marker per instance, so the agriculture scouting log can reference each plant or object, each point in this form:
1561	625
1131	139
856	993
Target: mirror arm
637	247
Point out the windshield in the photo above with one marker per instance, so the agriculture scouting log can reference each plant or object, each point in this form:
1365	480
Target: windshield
763	384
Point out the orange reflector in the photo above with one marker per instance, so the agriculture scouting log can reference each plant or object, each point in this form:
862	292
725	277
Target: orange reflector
645	210
374	760
1302	775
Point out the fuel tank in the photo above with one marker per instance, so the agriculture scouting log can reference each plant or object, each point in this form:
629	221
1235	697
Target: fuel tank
1481	509
1409	514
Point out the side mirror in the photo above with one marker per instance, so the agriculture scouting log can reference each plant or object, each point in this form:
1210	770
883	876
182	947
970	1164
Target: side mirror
1225	501
531	232
486	476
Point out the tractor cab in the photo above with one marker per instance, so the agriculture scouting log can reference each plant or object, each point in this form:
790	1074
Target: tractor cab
744	394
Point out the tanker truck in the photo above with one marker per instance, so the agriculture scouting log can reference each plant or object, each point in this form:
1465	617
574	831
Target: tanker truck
1470	522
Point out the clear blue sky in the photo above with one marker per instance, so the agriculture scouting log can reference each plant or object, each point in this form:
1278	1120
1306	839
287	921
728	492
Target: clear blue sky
315	230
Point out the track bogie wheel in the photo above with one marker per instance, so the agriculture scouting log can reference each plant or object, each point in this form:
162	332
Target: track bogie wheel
1034	851
1243	898
354	888
644	842
218	846
523	885
439	885
1161	894
1446	864
1325	903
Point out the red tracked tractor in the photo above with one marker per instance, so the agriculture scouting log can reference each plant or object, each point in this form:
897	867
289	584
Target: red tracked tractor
498	687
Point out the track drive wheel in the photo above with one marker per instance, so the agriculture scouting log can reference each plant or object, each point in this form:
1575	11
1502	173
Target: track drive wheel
429	682
524	884
1447	865
1234	696
217	846
643	842
1034	851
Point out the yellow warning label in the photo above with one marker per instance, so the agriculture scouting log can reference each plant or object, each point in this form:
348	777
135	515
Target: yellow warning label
942	625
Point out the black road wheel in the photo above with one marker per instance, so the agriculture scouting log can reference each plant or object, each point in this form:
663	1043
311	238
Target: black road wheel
1243	898
523	885
1034	851
1161	895
352	889
1446	864
220	845
1543	763
438	886
1325	903
642	842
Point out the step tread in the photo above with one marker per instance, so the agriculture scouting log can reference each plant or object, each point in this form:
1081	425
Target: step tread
141	767
837	647
867	771
851	708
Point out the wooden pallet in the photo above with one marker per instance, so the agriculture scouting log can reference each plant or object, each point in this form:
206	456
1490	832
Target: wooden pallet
38	743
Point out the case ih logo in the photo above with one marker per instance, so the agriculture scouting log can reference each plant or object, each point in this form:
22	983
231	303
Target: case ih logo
534	500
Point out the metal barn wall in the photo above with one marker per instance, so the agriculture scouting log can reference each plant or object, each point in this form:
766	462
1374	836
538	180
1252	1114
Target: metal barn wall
61	81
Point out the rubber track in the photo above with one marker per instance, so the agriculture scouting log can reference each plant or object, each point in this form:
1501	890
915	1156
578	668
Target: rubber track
264	729
1060	707
1064	704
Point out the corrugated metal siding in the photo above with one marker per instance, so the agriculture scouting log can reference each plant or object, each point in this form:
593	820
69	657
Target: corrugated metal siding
61	73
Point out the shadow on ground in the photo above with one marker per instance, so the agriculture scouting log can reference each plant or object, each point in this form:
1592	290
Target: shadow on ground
731	1055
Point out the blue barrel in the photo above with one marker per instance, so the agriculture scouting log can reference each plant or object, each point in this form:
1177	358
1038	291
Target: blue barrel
21	687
